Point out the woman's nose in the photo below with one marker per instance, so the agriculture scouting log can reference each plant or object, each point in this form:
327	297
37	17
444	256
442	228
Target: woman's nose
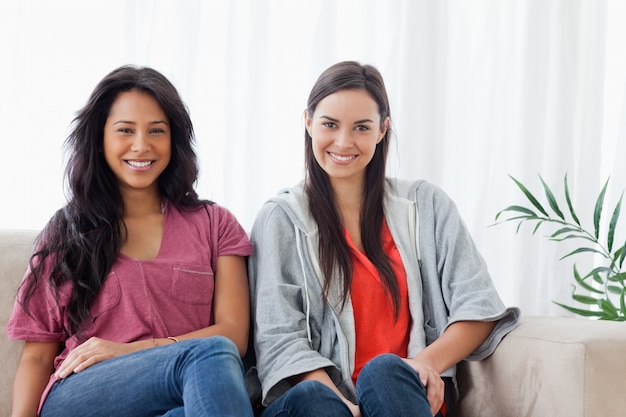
141	143
343	139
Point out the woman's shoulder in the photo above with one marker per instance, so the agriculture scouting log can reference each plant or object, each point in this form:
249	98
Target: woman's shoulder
432	201
291	200
207	214
414	189
202	208
289	205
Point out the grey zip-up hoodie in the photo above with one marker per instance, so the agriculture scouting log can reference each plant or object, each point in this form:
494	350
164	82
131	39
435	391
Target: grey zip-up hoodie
297	331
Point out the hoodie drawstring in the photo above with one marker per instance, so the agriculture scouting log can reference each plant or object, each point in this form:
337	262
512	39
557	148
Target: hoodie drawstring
306	285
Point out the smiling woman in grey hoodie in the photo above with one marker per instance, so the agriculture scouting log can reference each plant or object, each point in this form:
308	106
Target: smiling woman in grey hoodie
366	290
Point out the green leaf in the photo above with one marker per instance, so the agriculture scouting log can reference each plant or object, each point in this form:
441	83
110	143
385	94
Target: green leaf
523	218
597	212
539	223
622	302
530	197
613	223
608	308
519	209
575	237
569	202
597	271
585	299
581	312
597	278
621	256
582	250
583	284
610	317
565	230
613	289
551	200
621	277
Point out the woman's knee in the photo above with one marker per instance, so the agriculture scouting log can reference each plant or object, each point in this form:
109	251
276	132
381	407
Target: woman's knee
384	364
387	369
311	389
215	345
308	399
213	349
388	386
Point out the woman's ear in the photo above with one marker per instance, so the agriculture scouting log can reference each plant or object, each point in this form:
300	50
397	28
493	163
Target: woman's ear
307	122
384	126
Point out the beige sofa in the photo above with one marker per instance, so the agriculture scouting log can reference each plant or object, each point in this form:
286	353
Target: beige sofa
548	366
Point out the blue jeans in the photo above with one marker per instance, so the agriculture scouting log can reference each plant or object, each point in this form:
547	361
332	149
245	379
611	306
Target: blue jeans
198	377
387	386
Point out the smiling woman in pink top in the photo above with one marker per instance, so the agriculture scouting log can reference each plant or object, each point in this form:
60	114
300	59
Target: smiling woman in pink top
136	301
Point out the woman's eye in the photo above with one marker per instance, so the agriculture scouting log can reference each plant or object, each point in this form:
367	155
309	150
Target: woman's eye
329	125
125	130
362	128
157	131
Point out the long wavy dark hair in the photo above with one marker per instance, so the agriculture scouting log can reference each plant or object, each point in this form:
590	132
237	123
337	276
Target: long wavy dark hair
334	251
82	240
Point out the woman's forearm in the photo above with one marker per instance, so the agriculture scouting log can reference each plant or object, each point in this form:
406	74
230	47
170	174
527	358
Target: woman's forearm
456	343
33	373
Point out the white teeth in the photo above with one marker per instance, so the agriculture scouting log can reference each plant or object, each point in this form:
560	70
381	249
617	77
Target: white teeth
341	158
138	164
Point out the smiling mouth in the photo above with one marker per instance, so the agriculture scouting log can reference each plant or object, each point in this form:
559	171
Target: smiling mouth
342	158
140	164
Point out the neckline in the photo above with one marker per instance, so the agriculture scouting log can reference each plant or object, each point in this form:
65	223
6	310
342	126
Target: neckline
164	211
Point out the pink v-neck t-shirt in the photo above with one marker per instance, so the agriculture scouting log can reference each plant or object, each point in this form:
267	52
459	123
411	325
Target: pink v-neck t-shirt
169	295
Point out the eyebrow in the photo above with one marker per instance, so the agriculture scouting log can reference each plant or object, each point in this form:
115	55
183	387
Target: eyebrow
356	122
156	122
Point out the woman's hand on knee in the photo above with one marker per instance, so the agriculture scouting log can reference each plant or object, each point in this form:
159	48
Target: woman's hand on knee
93	351
432	381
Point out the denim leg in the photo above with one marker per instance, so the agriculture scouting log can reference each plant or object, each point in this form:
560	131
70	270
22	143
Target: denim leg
203	376
388	386
308	399
175	412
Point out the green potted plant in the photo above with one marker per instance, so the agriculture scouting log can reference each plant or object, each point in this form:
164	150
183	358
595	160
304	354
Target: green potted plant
604	285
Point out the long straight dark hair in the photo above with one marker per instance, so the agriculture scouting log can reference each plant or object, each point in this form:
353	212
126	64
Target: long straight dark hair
83	239
334	252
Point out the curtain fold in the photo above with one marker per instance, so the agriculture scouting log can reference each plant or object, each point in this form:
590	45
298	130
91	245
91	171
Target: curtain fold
479	90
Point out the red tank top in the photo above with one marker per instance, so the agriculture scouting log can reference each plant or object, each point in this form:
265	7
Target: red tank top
376	330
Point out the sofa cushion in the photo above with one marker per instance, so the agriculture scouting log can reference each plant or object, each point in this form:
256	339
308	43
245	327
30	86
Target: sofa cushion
549	366
16	246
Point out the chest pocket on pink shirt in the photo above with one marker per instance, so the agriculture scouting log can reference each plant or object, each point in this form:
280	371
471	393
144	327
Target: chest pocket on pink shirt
192	284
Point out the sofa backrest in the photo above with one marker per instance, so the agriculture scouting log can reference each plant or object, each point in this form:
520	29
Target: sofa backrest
16	247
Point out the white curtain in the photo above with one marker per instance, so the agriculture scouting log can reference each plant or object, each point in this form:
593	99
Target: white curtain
479	89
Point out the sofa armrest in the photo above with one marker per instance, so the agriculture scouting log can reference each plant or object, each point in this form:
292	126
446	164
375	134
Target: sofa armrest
16	246
549	366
